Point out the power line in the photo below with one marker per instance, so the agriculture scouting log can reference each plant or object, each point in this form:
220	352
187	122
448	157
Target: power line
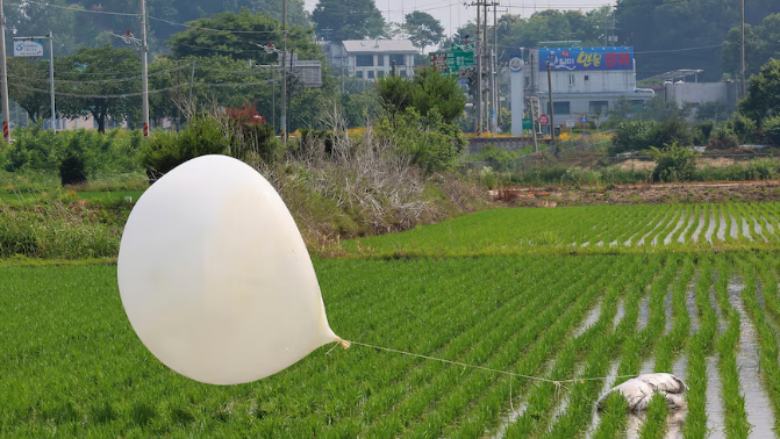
215	30
161	90
89	11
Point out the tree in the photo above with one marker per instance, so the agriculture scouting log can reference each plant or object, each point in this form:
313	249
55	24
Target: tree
102	76
763	97
243	34
339	20
762	42
423	29
427	91
28	85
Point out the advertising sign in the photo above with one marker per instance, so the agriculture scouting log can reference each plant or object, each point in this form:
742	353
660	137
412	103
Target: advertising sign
28	48
587	58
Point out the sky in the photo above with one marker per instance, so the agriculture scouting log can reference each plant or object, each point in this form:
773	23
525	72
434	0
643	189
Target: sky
452	13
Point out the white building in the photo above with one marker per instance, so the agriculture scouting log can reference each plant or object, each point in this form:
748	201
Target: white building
371	59
585	81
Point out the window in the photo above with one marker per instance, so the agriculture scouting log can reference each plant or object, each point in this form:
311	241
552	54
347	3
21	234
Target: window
403	73
359	74
587	77
400	60
370	74
637	105
598	107
380	74
571	80
563	107
364	60
380	60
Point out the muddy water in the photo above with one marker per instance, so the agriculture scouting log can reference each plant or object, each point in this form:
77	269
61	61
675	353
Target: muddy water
644	312
757	404
608	384
722	228
700	227
711	227
758	229
517	408
590	319
715	414
681	238
768	225
621	312
674	424
657	225
746	229
679	224
734	229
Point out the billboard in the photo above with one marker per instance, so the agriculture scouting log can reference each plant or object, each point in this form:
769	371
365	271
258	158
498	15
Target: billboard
28	48
587	58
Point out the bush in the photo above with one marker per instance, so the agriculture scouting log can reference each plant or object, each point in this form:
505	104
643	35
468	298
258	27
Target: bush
672	131
632	136
673	163
428	142
771	127
249	136
167	149
742	127
705	128
76	155
723	138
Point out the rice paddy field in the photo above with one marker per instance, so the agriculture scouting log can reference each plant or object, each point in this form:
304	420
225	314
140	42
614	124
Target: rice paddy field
508	290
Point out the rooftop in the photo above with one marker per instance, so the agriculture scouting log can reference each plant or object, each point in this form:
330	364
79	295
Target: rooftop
384	46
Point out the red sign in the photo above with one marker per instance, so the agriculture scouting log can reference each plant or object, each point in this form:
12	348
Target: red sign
543	119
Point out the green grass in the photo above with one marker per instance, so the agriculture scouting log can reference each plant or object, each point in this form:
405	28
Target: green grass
71	366
585	230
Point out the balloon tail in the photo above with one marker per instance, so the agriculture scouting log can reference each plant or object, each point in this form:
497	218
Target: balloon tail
339	342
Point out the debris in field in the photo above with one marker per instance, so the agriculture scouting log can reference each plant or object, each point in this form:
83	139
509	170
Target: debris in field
640	390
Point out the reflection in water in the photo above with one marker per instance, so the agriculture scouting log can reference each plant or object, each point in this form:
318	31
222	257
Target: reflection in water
674	424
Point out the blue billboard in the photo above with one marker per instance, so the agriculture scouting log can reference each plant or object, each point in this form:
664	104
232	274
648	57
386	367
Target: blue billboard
587	58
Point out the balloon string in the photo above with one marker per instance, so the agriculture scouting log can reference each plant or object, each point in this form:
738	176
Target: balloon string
557	383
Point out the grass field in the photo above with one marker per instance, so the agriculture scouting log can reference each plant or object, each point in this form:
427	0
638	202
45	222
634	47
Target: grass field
71	366
631	228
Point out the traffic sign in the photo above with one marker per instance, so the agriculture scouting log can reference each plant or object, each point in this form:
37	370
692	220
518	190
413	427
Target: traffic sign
544	120
584	119
527	123
570	123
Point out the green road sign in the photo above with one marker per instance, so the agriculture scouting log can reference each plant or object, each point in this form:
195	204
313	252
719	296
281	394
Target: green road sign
461	57
527	123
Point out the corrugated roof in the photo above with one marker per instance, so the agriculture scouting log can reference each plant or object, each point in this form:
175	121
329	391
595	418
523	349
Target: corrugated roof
383	46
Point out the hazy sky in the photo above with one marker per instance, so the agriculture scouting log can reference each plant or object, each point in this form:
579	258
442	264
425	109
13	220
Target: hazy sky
452	13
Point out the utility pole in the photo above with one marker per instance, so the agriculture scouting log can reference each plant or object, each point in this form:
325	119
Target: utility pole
283	122
178	96
192	86
493	104
743	49
4	73
144	73
494	60
478	54
552	112
485	66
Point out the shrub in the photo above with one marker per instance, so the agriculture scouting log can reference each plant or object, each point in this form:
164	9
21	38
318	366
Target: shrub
249	135
705	128
673	163
771	127
741	126
167	149
723	138
427	142
671	131
632	136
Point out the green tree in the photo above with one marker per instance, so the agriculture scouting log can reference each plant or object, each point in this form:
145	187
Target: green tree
762	43
97	80
423	29
28	85
240	36
426	91
339	20
763	98
673	163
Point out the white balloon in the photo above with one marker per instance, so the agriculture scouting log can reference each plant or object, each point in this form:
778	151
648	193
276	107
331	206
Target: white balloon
215	277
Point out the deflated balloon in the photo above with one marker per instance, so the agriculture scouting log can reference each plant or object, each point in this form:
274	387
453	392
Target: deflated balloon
215	277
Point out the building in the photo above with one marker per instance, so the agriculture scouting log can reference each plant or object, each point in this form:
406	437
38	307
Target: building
371	59
586	81
675	88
